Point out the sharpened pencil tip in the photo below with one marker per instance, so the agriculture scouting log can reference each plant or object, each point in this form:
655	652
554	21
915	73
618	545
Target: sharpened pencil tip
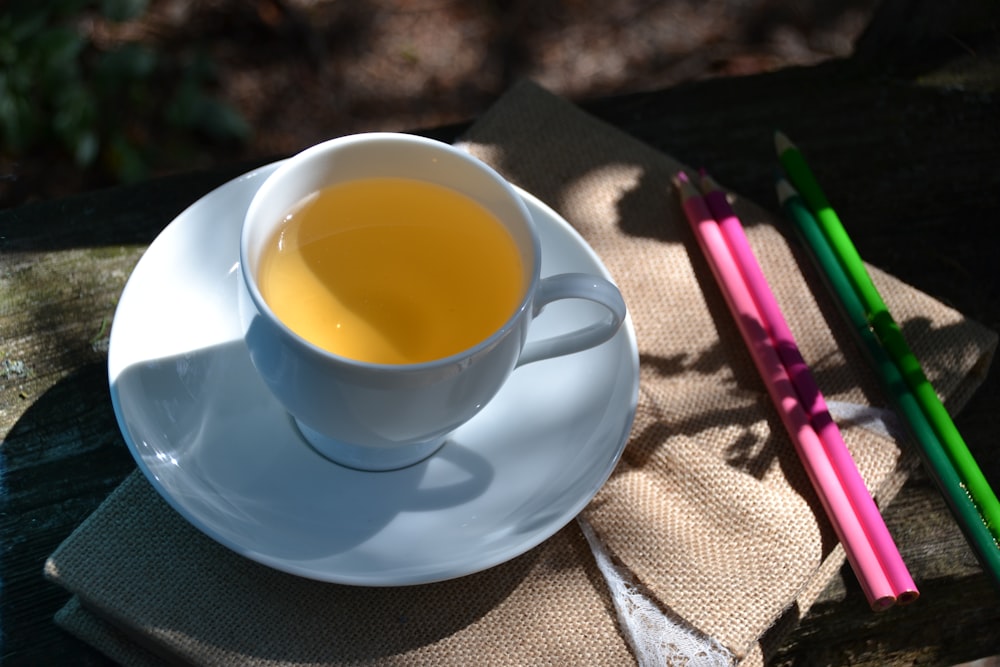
684	185
781	142
785	190
708	184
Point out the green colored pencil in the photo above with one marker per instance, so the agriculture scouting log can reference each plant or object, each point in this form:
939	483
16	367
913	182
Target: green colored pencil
932	453
889	334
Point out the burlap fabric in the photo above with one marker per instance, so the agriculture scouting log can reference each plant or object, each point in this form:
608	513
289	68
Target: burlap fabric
709	510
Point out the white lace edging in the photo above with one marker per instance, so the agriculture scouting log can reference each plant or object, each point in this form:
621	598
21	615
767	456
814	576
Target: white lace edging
880	420
656	639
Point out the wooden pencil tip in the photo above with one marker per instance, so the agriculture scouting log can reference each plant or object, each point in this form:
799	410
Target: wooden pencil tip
677	183
684	185
785	190
708	184
781	142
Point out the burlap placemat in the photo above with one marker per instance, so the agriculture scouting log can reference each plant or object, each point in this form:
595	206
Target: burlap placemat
709	519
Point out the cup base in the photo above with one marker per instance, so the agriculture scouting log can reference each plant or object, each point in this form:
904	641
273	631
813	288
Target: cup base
369	459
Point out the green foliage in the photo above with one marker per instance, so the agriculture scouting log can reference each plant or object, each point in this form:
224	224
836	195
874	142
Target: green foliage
119	109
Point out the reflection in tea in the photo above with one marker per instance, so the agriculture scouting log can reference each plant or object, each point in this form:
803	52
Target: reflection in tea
392	271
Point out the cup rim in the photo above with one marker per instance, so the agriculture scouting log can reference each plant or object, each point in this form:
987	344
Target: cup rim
250	282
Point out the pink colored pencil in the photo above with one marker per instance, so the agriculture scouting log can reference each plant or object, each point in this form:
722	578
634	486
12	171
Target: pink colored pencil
810	397
859	550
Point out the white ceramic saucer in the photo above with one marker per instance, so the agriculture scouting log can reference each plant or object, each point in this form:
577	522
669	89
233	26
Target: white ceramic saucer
220	450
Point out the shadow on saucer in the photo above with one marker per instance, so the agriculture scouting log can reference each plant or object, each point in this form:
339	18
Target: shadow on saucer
226	455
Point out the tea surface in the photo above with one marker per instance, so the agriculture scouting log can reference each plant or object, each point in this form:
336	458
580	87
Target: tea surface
391	271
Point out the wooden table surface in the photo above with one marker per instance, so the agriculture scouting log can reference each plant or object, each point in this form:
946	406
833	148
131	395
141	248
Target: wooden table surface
905	138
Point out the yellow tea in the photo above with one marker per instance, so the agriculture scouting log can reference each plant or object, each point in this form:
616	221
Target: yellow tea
391	271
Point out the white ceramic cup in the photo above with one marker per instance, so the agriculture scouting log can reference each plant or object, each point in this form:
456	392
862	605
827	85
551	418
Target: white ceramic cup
379	416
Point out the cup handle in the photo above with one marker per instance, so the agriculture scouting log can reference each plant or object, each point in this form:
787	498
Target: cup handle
575	286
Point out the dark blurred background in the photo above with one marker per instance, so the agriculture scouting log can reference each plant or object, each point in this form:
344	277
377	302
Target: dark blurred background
99	92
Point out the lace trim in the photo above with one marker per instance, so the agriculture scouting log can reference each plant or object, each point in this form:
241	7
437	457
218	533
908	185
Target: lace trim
655	638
